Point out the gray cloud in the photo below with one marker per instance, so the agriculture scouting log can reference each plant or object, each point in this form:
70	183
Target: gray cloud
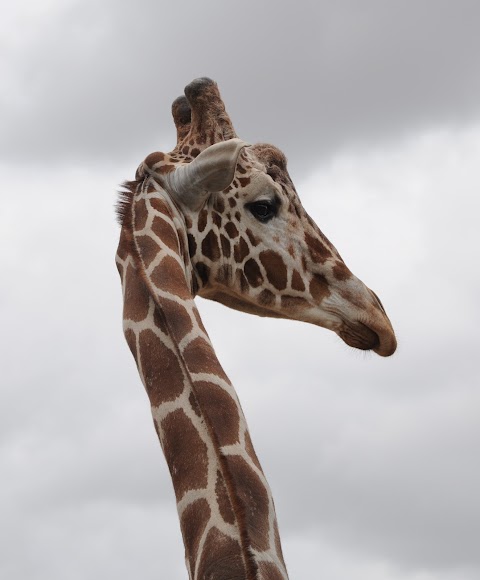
93	82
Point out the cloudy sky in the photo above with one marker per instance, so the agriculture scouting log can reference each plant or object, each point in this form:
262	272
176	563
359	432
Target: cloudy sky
373	462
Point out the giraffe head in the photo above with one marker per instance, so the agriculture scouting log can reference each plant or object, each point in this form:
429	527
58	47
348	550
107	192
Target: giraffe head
252	246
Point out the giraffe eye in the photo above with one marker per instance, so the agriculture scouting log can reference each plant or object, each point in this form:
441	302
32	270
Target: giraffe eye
263	210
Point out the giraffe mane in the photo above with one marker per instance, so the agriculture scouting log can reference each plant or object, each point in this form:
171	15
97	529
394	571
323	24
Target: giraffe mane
123	205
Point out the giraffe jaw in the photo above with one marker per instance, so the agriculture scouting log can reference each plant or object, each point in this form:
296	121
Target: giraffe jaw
375	334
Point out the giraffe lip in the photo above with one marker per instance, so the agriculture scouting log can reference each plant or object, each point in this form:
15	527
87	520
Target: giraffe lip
358	335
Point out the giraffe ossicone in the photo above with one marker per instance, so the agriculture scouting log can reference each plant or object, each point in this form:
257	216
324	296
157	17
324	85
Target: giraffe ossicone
221	219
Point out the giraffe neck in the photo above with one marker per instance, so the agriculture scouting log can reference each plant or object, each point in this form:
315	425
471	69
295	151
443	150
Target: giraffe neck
225	506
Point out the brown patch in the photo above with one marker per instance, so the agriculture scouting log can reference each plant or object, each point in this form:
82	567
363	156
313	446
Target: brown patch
193	522
210	246
253	498
192	245
252	238
244	181
241	250
253	273
222	411
238	216
161	370
241	169
304	264
222	558
132	342
275	268
148	249
269	571
223	500
232	202
160	205
219	204
225	246
340	271
200	358
231	230
169	276
319	288
165	232
185	452
179	320
267	298
136	300
297	282
195	152
202	220
140	214
318	250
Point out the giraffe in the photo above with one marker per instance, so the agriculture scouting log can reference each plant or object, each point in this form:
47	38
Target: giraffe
219	218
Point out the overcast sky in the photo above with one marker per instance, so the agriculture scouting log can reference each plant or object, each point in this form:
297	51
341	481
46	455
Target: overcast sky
373	462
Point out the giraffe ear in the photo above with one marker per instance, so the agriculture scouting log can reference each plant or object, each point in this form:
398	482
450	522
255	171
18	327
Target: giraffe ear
213	170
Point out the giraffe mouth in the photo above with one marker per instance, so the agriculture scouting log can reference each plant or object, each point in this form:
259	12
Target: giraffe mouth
360	336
